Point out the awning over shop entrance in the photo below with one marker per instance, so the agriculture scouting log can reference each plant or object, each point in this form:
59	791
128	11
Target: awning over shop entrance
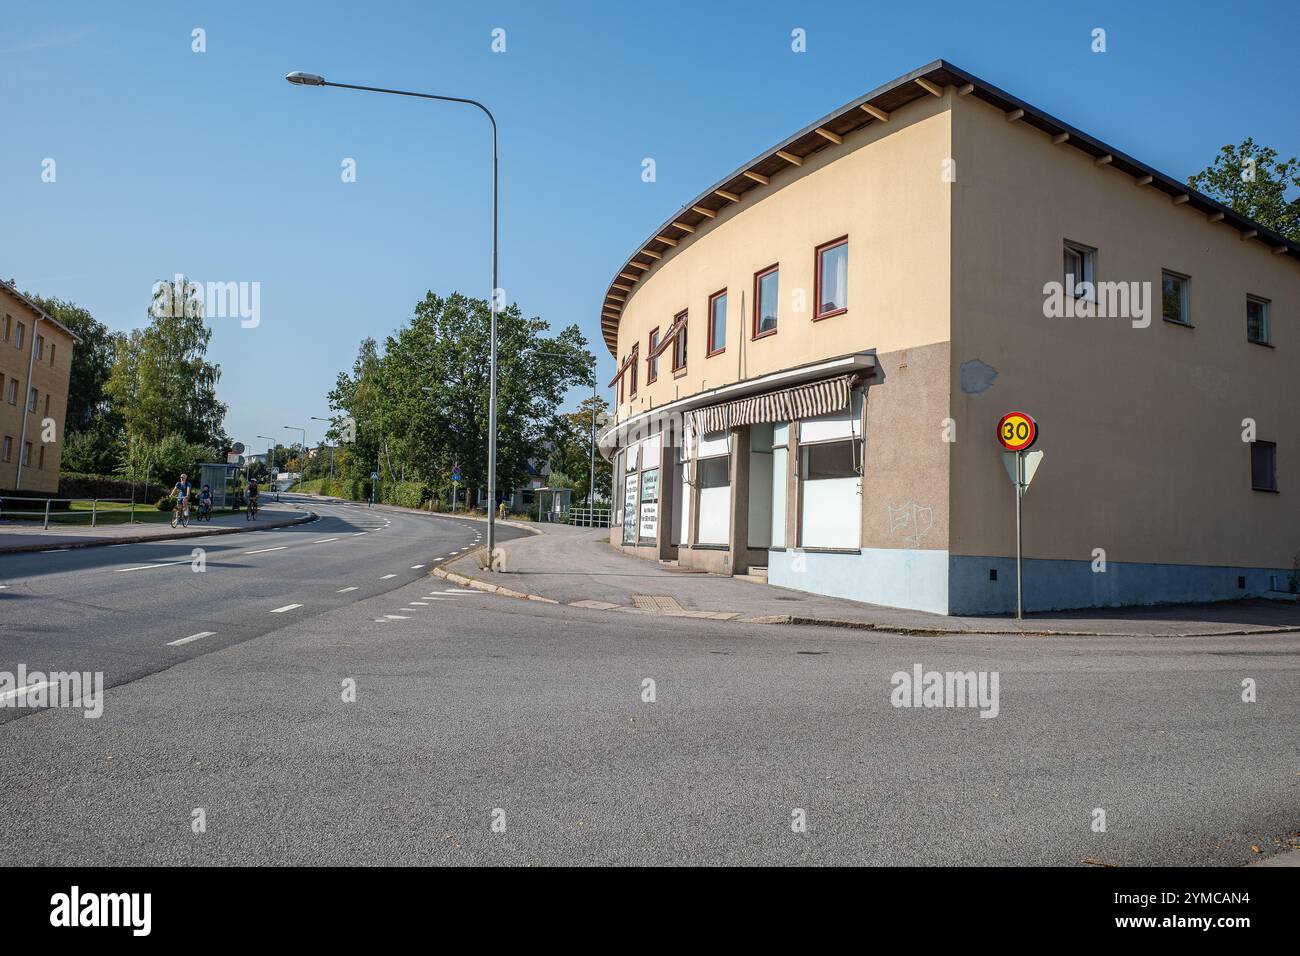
786	405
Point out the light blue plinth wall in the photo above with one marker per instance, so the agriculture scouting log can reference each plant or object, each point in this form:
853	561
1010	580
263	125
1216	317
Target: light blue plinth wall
950	584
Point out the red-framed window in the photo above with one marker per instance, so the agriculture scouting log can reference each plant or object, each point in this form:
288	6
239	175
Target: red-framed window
652	360
679	344
831	268
620	389
717	323
766	292
632	371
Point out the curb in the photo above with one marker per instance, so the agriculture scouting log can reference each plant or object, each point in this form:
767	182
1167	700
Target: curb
794	620
145	538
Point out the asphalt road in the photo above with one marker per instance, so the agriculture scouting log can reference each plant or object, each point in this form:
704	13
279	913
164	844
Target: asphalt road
472	708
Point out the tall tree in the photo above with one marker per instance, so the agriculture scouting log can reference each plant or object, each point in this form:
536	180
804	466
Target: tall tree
163	384
92	361
1253	182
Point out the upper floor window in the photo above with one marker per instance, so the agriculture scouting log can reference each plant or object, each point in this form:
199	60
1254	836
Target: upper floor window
632	388
31	399
766	289
9	327
717	322
832	279
1263	465
52	345
40	348
679	343
18	342
1080	271
652	363
1174	289
1257	325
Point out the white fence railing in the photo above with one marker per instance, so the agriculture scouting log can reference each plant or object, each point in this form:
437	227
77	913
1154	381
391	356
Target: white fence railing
589	517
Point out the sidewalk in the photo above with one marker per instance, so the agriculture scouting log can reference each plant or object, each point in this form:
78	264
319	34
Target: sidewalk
18	536
568	565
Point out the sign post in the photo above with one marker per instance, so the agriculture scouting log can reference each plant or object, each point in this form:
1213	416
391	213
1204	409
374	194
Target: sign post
1017	432
455	480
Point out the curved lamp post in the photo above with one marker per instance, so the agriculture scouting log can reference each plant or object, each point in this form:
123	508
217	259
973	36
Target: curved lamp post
312	79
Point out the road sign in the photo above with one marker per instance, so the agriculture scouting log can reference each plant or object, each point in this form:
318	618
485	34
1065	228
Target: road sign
1032	458
1017	431
455	474
374	476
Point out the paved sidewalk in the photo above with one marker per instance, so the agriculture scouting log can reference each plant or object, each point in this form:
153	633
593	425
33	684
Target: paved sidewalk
573	566
16	536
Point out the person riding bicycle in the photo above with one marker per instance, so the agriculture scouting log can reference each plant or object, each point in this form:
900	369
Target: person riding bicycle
252	497
182	492
205	501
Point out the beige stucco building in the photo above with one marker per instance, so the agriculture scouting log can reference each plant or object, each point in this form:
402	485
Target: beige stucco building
35	365
814	354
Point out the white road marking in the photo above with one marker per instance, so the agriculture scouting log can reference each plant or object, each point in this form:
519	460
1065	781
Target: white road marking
360	533
396	617
387	576
264	550
344	590
146	567
416	567
55	550
192	637
22	691
324	540
419	604
287	607
127	545
462	591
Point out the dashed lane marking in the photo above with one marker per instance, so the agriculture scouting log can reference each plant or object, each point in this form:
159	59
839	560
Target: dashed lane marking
345	590
387	576
287	607
264	550
192	637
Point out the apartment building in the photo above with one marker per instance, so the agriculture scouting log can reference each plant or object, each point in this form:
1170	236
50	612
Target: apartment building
813	355
35	367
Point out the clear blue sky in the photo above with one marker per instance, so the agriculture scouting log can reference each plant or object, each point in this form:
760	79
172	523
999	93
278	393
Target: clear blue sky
210	164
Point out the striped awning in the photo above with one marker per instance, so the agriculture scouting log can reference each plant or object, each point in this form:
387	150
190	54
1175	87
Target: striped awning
787	405
667	339
623	367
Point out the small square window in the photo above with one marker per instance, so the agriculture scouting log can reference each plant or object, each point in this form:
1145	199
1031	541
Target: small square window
1174	297
1080	271
1257	324
1263	465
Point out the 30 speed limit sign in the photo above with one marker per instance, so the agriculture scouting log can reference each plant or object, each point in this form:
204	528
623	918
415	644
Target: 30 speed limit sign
1017	431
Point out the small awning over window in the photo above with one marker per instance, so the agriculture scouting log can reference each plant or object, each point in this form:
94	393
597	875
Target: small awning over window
626	363
667	339
787	405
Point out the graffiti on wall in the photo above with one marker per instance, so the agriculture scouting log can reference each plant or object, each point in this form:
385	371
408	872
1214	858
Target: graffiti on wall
910	522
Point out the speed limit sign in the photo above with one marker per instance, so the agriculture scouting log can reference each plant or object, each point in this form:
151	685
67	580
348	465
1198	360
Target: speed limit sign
1017	431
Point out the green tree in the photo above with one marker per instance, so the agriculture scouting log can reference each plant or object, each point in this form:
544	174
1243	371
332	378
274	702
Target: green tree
92	361
162	384
571	454
1253	182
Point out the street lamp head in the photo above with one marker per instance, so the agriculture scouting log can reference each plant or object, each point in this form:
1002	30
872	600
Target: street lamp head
305	79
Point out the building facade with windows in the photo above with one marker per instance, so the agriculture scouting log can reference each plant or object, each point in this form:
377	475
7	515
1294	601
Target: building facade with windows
813	355
35	367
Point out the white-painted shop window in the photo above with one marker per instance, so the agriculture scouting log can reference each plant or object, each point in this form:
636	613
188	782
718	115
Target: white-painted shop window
780	469
648	514
684	468
830	478
713	479
761	478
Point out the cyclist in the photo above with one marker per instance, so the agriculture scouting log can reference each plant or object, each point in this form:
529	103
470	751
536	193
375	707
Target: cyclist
252	499
205	503
182	492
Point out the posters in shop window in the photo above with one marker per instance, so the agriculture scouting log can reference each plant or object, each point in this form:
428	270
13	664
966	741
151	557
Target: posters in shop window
629	510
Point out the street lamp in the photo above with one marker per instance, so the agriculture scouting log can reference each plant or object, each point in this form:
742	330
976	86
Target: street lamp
317	418
312	79
302	452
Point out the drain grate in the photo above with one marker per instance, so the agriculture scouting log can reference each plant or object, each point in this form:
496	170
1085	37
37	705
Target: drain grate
656	602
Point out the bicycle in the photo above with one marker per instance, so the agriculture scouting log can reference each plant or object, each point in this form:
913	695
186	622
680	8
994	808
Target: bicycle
181	514
250	513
